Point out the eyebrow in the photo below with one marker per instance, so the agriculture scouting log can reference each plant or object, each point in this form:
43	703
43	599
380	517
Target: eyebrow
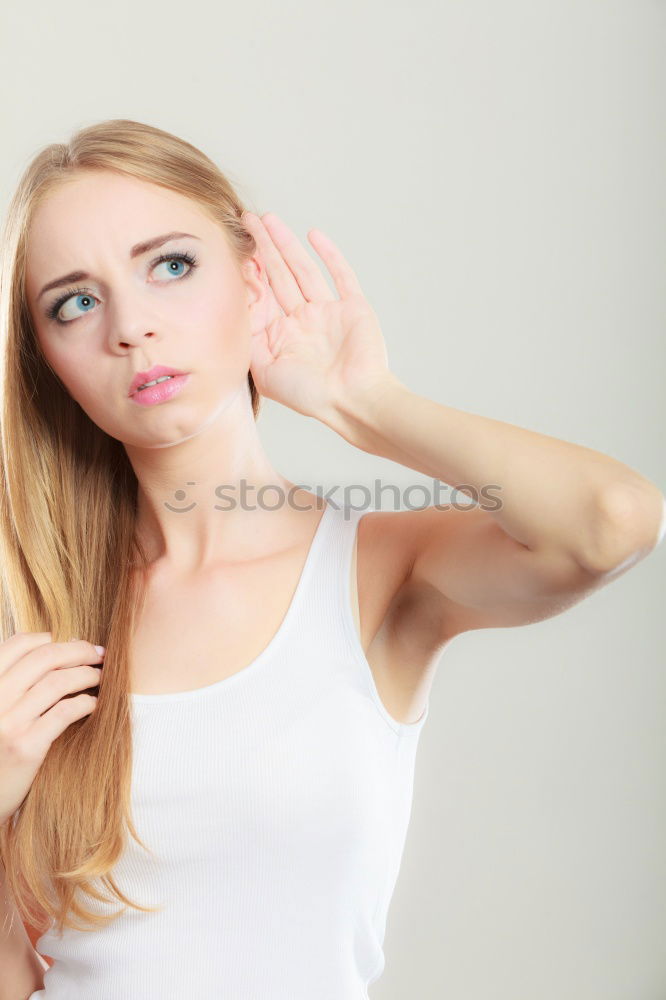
136	251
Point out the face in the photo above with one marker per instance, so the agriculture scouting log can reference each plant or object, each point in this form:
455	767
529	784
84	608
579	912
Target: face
194	311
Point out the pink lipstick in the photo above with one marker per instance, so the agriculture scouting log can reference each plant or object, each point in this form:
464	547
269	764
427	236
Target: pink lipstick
163	384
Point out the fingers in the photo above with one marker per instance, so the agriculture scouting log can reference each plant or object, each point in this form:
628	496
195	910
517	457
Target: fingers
30	658
282	281
54	687
293	274
342	272
18	644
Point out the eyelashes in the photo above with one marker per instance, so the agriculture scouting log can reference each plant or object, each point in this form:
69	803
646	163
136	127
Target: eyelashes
185	257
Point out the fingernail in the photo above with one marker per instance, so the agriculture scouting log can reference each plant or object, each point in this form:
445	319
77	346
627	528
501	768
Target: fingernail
100	649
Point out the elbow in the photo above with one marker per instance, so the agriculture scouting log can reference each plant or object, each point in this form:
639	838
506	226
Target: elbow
629	523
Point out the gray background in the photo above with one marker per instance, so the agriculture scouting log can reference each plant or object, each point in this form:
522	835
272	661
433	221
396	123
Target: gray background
494	172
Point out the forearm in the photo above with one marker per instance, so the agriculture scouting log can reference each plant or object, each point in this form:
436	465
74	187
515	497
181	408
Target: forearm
22	968
551	493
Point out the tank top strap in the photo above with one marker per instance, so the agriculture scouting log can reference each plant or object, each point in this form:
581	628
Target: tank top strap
332	554
326	609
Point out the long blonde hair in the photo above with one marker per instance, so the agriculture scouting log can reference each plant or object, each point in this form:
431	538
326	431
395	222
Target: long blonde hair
68	498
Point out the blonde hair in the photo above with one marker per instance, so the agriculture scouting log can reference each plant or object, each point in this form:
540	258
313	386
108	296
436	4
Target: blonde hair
67	541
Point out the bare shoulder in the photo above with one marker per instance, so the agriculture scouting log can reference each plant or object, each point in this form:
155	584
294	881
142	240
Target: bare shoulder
396	613
388	541
384	556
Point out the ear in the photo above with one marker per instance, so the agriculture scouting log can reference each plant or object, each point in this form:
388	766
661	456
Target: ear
258	292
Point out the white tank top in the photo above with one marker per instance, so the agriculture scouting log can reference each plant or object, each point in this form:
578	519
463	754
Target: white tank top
275	803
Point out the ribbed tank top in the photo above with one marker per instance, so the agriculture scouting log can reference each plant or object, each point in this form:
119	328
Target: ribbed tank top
275	804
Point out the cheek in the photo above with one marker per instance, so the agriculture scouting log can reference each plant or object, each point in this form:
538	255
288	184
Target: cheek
74	376
222	319
65	370
88	396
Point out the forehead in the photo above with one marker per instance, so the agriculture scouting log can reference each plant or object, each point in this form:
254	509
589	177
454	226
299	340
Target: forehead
100	214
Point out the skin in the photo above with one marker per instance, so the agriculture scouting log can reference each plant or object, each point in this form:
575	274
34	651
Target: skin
201	322
455	573
213	324
556	536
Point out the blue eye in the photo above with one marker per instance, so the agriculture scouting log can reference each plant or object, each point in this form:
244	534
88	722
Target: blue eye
83	297
175	261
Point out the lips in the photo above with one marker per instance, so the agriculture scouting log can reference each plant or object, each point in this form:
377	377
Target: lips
156	372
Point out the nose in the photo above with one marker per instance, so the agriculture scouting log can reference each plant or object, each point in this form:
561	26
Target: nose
130	320
132	339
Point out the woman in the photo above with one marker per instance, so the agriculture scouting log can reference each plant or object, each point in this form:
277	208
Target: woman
268	658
